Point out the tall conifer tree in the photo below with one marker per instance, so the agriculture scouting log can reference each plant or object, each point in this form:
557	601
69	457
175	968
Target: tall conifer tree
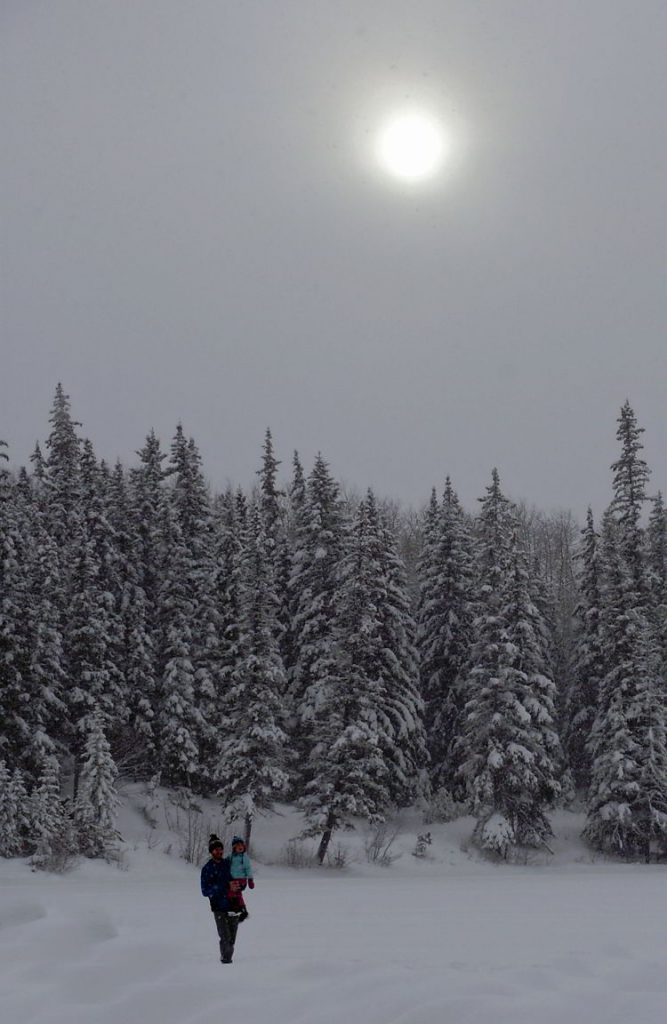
319	548
404	745
179	723
656	537
251	771
446	618
628	798
14	722
346	774
510	745
98	797
589	663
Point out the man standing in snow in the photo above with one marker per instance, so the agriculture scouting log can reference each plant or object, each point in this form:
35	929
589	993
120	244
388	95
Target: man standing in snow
220	888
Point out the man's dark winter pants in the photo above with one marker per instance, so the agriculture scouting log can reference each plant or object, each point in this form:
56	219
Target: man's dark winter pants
227	925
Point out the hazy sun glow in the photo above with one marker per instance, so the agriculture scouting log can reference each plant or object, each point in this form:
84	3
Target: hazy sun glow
411	145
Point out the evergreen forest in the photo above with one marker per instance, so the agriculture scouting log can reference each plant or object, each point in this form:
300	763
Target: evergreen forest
295	642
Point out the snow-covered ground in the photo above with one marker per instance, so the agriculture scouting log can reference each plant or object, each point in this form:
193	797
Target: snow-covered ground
446	940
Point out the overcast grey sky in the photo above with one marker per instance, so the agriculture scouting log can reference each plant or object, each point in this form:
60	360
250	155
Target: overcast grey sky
193	229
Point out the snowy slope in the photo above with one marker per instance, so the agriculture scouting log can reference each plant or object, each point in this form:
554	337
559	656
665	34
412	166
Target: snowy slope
450	939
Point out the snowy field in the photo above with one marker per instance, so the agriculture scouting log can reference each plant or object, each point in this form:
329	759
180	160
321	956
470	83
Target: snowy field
447	940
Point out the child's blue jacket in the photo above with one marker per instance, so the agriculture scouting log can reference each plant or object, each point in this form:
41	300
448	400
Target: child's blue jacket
240	866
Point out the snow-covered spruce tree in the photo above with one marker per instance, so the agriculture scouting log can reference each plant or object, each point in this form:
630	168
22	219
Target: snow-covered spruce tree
446	613
297	487
426	560
273	511
60	474
223	637
18	797
227	591
97	802
550	541
14	712
147	504
555	604
291	555
134	746
647	713
38	472
58	495
92	674
46	678
270	498
94	501
10	842
429	622
30	718
24	487
152	518
404	746
52	835
191	504
145	541
189	495
99	538
179	723
274	505
14	812
346	773
509	741
319	547
627	810
251	773
589	661
631	476
656	538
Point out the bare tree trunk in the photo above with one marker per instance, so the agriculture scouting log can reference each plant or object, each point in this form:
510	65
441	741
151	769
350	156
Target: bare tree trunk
248	830
326	837
75	779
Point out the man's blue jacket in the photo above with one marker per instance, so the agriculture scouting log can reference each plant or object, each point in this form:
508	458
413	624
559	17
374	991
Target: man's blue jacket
215	879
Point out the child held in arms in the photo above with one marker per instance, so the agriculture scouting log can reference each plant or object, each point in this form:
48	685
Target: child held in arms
240	870
239	863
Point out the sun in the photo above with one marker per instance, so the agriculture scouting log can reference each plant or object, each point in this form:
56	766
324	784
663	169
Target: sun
411	146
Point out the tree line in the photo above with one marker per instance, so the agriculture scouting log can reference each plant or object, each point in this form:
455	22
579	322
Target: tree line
293	642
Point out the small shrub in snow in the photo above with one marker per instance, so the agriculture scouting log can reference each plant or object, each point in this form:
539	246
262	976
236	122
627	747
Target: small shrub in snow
379	843
93	838
57	856
118	857
528	857
150	806
495	835
297	854
424	840
152	841
186	819
338	857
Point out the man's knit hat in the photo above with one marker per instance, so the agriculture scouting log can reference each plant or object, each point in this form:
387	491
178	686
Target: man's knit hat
215	841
